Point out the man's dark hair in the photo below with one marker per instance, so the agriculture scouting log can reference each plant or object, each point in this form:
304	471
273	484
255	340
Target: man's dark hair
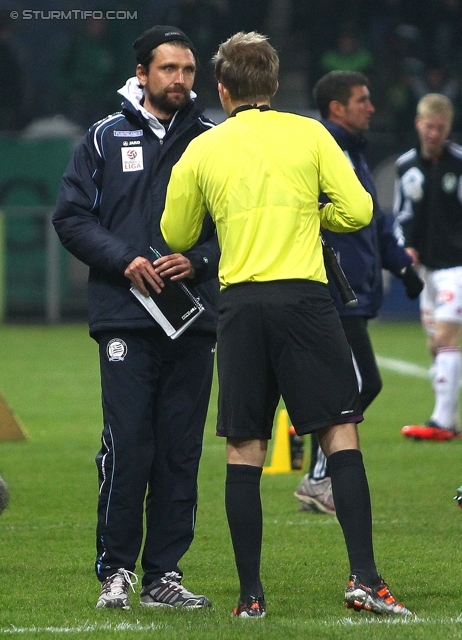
336	85
247	65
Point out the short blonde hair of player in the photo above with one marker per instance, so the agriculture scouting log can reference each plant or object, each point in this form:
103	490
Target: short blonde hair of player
248	66
435	104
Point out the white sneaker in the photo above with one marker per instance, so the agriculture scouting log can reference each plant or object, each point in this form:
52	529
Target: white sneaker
114	590
169	592
315	495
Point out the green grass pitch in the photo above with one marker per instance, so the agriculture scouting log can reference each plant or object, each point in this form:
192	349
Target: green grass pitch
49	376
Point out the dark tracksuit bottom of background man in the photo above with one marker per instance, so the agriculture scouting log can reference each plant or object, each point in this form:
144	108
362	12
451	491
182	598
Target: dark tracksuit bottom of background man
355	328
155	403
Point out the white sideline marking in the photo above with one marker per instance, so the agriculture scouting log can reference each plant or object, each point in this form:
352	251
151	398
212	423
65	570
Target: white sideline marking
137	626
309	522
406	368
88	627
314	522
405	620
46	527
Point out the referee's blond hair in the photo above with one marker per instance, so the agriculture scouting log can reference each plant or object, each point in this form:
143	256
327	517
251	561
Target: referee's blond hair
248	66
435	104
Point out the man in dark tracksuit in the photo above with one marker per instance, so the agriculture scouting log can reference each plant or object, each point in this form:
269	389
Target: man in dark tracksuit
155	391
344	103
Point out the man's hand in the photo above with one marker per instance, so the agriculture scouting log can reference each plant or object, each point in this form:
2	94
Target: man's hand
175	266
414	255
139	271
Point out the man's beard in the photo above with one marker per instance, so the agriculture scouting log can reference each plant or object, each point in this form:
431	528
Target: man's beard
165	103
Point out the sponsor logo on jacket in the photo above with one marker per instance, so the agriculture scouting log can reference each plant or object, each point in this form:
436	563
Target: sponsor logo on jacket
128	134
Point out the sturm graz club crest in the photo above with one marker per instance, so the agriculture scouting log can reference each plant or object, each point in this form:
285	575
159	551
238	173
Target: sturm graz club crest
449	182
116	350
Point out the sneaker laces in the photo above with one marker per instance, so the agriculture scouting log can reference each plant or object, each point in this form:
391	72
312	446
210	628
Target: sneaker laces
383	592
130	577
173	576
119	581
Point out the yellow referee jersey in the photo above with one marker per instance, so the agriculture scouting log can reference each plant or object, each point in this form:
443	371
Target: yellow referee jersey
259	174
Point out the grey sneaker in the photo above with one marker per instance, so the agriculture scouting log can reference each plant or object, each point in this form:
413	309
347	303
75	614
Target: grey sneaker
376	599
114	590
315	495
169	592
305	506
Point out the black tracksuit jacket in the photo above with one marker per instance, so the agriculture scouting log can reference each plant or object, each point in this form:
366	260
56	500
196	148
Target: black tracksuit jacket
428	206
108	212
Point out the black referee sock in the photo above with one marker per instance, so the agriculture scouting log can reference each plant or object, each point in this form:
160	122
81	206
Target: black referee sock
243	508
353	508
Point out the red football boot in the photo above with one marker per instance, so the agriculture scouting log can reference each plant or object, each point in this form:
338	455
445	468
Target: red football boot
429	431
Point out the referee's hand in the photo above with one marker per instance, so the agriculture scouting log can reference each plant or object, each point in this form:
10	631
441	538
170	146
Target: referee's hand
176	266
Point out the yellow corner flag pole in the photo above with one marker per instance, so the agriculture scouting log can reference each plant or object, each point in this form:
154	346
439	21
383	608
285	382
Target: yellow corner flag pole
280	458
10	427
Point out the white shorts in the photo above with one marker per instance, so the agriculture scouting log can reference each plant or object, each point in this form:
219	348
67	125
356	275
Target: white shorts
441	298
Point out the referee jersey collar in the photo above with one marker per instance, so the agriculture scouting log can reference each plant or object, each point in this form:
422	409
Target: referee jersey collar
246	107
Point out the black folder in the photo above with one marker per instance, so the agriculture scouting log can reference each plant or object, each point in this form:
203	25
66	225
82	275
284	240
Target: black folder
174	309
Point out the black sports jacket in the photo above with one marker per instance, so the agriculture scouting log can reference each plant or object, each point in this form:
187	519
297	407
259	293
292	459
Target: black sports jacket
428	206
109	207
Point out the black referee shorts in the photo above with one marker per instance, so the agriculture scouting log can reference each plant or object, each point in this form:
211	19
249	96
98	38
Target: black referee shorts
282	338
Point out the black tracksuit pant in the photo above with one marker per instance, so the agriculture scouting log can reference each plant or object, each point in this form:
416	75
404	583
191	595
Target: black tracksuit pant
369	378
155	395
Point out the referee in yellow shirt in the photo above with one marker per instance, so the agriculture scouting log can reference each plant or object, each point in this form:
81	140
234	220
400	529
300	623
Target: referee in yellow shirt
259	174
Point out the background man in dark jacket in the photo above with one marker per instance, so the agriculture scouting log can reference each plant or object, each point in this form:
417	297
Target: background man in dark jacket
344	102
155	391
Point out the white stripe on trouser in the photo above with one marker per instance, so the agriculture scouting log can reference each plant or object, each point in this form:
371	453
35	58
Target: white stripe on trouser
320	468
358	373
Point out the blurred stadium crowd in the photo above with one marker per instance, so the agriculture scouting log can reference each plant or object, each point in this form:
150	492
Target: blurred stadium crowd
73	67
61	63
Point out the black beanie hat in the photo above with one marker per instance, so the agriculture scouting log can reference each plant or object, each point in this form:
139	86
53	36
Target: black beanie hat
157	35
